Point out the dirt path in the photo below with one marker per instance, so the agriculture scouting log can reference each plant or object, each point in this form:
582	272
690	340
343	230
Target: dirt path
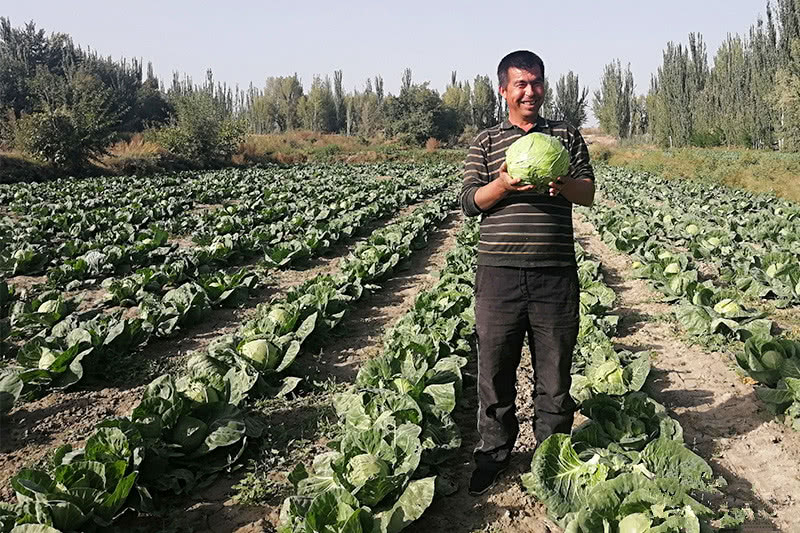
723	421
506	507
299	427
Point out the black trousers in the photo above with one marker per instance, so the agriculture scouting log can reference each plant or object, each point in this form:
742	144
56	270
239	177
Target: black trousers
510	303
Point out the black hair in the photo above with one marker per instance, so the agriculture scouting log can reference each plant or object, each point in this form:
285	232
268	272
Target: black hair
521	59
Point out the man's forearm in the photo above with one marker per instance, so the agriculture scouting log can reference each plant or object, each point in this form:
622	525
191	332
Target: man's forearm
580	191
489	194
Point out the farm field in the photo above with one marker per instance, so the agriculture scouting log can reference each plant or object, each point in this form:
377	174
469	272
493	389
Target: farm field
293	349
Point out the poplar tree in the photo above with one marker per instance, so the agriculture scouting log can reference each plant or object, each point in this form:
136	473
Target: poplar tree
570	100
613	101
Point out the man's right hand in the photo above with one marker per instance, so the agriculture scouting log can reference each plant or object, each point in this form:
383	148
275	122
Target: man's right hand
498	188
512	184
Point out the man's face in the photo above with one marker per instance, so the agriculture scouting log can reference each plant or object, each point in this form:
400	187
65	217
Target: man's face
524	92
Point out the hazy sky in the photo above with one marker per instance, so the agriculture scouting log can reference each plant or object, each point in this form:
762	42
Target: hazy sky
248	41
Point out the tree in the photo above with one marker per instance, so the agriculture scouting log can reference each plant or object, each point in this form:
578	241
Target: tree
570	100
484	102
202	129
613	101
417	113
338	101
457	100
75	121
317	109
547	108
787	100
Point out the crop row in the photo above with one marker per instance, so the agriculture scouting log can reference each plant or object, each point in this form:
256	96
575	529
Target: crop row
79	247
626	469
61	342
395	425
709	312
189	427
753	242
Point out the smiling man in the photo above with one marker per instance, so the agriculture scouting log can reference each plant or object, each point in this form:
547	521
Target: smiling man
527	280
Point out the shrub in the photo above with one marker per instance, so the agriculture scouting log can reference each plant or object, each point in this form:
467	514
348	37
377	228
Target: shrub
201	131
49	136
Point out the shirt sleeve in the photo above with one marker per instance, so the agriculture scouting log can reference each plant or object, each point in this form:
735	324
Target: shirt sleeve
579	167
476	175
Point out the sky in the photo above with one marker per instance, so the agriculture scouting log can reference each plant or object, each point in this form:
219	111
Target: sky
246	41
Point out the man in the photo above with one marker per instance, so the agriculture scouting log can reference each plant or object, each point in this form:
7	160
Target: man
527	280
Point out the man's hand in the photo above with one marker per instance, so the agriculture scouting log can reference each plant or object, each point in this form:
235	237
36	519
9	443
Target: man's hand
512	184
498	188
557	185
576	191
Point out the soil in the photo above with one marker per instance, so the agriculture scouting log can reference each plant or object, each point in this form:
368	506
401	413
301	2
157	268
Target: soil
35	428
26	282
723	421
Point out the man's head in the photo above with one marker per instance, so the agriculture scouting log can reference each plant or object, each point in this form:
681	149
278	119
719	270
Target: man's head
520	75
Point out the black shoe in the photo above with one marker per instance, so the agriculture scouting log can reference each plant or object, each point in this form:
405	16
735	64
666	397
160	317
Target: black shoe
484	477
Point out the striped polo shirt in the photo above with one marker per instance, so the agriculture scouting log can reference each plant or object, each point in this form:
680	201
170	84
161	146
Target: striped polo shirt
524	229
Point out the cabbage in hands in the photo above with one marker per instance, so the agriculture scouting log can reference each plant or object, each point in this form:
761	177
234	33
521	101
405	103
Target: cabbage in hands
537	159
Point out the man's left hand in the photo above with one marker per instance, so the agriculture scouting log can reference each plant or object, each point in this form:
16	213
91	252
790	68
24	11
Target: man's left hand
580	191
557	186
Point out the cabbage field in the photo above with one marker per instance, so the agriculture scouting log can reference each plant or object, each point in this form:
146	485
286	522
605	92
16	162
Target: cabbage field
292	349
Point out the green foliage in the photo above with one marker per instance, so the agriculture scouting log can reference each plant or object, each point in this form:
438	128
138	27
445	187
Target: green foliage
570	100
77	121
419	114
613	102
202	130
85	99
787	99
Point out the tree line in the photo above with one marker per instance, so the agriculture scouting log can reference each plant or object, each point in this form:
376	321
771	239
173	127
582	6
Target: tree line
748	96
66	105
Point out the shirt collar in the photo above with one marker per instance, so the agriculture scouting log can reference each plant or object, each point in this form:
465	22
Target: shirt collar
540	123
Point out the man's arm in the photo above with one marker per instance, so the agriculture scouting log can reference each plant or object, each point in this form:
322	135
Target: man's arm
577	191
476	175
578	185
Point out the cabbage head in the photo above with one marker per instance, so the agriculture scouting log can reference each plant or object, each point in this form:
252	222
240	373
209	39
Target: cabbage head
262	353
727	307
537	159
364	467
189	432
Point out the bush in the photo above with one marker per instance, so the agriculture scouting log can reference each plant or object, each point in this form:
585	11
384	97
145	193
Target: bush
72	133
202	131
51	137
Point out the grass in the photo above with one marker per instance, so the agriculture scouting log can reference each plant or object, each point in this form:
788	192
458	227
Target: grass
142	157
755	170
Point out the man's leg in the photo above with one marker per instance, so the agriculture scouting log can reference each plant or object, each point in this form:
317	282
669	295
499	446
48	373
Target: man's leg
501	319
553	314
